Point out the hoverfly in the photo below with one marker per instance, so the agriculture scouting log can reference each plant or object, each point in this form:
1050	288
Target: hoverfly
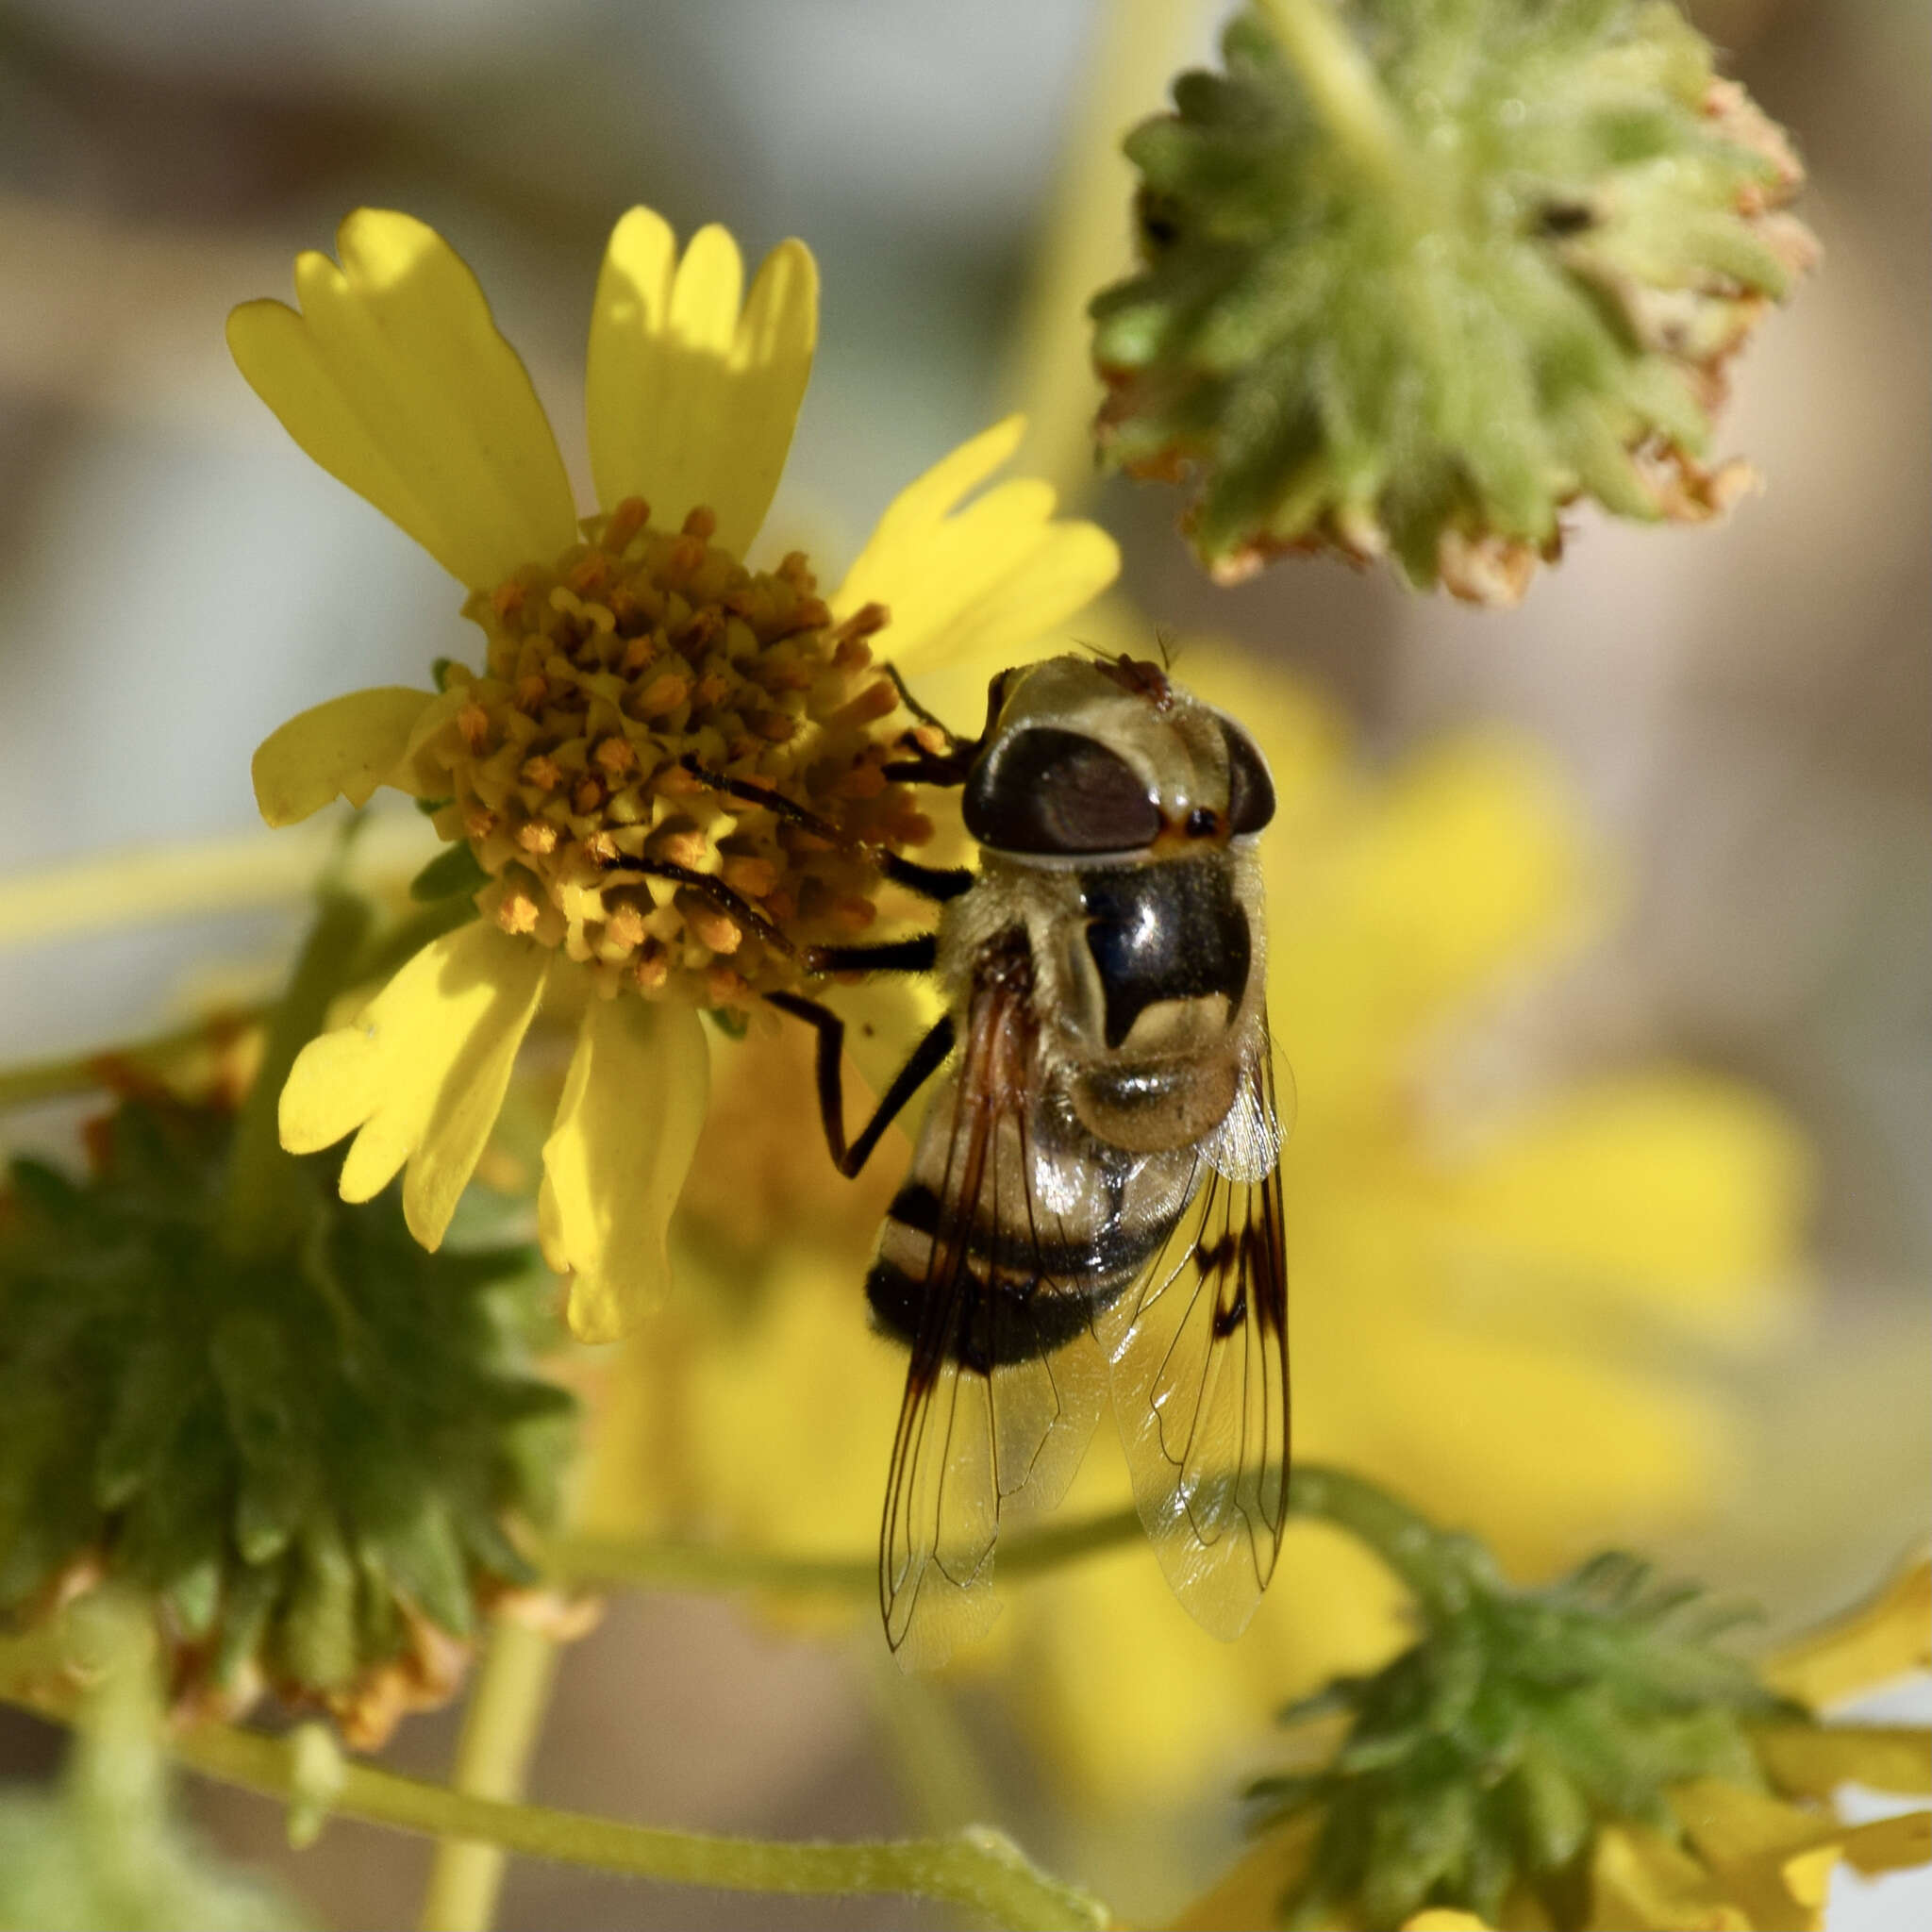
1094	1201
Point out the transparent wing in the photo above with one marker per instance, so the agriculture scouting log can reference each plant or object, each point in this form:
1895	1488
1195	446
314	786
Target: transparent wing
1197	1352
1004	1381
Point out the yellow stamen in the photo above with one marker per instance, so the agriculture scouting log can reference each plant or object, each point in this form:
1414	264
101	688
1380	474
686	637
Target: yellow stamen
629	686
714	929
516	912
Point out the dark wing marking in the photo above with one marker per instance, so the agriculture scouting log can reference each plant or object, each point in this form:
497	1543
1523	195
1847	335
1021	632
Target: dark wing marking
999	1402
1198	1353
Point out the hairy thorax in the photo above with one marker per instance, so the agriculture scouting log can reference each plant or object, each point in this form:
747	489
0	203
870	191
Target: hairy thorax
1147	980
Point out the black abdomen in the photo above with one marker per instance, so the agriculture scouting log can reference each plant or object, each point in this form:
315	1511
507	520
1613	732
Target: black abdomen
1012	1295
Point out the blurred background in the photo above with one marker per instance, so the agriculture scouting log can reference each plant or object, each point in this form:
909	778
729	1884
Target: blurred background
1740	714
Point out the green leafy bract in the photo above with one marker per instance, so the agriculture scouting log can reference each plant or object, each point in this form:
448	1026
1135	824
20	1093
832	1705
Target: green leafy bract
1528	297
316	1462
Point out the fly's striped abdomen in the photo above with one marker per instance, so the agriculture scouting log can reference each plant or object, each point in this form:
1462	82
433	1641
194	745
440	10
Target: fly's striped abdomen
1062	1229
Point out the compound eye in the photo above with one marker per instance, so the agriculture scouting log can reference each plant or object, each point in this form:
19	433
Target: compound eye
1250	790
1041	789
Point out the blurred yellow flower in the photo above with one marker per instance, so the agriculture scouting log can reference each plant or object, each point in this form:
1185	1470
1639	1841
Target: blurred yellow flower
635	669
1480	1303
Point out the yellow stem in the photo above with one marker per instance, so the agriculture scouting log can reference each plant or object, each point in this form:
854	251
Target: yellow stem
194	878
1340	83
500	1727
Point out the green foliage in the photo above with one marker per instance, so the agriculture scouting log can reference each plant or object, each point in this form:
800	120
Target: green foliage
104	1848
1428	327
63	1869
1488	1753
311	1458
454	870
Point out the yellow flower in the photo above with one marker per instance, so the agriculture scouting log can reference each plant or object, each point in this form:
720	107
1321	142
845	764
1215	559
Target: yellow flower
634	670
1748	1848
1479	1306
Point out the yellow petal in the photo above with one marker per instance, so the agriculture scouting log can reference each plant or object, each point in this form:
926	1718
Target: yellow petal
615	1161
993	579
1770	1858
1470	862
1804	1883
1812	1761
344	748
691	401
1640	1882
1890	1844
418	770
1441	1919
1541	1439
393	377
1680	1192
760	1465
421	1073
1777	1861
883	1022
1884	1637
1252	1893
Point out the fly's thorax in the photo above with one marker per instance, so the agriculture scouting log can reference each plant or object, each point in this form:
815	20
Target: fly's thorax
1011	894
1148	979
1173	954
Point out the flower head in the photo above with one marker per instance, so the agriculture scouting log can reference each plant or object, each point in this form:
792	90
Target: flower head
1416	277
315	1454
664	778
1584	1754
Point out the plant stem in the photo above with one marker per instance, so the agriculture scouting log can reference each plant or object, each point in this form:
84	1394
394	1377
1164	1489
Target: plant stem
1341	85
500	1726
264	1187
977	1868
1431	1564
649	1565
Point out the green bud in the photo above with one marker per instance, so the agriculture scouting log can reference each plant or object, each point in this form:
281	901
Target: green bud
315	1459
1480	1761
1419	275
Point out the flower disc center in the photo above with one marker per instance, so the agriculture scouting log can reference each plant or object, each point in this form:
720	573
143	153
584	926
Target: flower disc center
628	687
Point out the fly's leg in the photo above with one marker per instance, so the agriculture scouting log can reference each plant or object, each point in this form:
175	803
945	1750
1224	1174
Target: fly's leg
929	881
949	767
916	954
924	1061
721	895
